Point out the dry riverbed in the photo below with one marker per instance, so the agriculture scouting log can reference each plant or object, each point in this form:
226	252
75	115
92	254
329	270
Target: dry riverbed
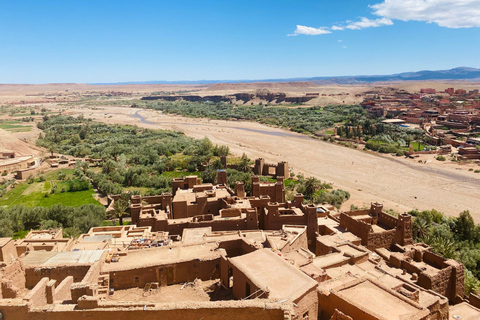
401	184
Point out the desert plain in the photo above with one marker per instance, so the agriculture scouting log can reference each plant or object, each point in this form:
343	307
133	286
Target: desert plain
401	184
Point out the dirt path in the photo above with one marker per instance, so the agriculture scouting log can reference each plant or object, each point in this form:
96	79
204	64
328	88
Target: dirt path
401	184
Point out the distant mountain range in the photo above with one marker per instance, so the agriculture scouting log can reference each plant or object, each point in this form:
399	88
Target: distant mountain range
460	73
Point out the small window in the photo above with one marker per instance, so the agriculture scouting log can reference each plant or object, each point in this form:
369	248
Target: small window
137	279
305	316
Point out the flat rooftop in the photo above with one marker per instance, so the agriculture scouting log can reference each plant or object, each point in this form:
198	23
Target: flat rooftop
338	239
378	301
144	258
464	311
191	197
49	258
330	260
195	235
4	241
14	160
267	270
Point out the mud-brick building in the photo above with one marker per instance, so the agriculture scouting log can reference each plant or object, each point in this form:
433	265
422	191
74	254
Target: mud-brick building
376	228
275	190
263	274
267	169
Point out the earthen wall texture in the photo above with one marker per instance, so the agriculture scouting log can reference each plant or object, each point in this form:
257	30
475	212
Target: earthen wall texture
381	239
38	295
340	316
307	305
62	291
91	276
8	252
33	275
172	313
12	279
359	229
166	274
387	220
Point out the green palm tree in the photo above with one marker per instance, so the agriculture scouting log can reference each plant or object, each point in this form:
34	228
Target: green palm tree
120	207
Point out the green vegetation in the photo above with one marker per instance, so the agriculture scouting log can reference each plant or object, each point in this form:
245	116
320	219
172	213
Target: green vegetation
384	138
14	126
455	238
15	220
303	120
441	158
140	160
75	192
316	191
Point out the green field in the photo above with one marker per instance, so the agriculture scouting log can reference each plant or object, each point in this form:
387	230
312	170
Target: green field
38	193
178	174
14	126
417	146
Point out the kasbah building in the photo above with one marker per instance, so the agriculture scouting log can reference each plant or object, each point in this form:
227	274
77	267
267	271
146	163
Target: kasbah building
206	251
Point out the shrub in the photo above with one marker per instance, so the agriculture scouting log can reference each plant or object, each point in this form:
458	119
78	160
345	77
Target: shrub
441	158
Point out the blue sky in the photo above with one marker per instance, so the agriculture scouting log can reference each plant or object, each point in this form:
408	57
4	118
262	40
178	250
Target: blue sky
113	41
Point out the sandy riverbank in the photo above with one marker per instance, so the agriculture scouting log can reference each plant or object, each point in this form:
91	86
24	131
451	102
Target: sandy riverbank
401	184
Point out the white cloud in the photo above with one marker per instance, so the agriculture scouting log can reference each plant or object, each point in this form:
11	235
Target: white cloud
339	40
344	47
309	31
337	28
367	23
445	13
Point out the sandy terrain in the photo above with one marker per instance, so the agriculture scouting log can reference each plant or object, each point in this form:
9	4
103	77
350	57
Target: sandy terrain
401	184
334	93
21	142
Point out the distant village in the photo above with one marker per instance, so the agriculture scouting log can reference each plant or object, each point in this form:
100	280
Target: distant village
449	117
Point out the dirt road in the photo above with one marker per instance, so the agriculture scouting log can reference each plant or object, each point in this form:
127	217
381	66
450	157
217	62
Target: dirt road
401	184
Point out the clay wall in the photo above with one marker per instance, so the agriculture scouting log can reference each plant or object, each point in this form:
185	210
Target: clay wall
439	283
62	291
34	275
358	228
321	249
306	306
433	259
16	165
13	280
381	239
8	253
387	220
457	281
92	275
474	300
231	224
166	274
276	221
329	303
230	212
25	173
38	295
338	315
298	243
180	210
232	310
